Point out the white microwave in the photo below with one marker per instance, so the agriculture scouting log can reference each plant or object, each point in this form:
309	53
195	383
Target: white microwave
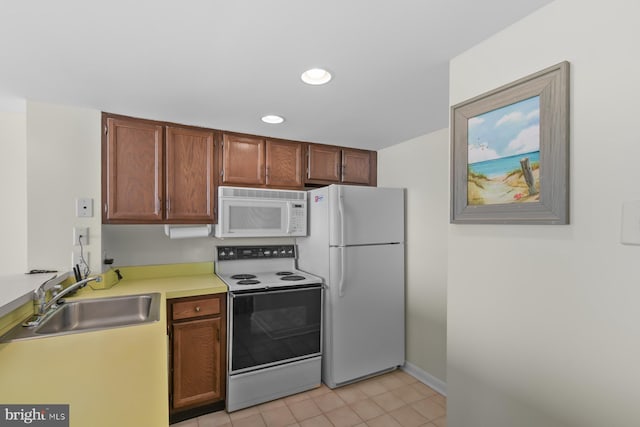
258	212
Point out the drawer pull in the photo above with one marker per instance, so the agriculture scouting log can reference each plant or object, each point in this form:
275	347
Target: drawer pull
197	309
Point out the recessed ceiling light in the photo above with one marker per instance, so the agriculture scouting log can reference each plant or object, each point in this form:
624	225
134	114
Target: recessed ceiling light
272	119
316	76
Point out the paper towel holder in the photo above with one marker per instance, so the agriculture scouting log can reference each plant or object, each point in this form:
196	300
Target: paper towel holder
185	232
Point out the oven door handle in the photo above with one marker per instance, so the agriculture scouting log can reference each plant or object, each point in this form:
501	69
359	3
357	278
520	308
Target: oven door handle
270	292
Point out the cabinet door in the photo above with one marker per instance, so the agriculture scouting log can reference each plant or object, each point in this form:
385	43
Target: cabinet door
197	378
355	166
190	174
133	165
284	164
243	160
324	163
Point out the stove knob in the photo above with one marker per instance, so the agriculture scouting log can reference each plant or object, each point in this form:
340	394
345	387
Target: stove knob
230	253
222	254
267	253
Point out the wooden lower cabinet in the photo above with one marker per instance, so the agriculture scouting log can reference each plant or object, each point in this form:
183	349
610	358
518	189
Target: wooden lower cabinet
197	344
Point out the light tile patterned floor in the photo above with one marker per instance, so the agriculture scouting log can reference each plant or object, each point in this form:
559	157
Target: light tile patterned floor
395	399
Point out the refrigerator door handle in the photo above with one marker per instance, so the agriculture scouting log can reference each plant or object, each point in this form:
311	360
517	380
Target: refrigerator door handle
342	272
341	213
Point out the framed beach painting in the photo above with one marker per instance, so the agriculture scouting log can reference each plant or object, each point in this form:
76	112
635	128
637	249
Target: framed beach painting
510	152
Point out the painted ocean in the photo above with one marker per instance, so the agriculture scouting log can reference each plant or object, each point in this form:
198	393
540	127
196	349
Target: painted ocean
497	167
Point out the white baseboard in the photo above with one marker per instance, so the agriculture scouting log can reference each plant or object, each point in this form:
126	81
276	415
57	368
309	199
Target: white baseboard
426	378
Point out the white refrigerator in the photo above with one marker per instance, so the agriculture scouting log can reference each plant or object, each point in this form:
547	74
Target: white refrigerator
356	243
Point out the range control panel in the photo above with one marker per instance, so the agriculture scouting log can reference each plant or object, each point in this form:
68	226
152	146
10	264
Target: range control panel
230	253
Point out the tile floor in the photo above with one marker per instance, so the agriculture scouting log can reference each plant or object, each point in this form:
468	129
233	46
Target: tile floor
395	399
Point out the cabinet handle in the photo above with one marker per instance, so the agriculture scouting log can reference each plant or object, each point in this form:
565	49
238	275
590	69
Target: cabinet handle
197	309
218	334
168	204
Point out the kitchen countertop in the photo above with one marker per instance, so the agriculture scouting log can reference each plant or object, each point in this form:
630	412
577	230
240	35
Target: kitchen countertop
110	377
173	281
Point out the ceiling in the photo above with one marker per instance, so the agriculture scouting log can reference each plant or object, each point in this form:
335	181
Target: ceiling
225	64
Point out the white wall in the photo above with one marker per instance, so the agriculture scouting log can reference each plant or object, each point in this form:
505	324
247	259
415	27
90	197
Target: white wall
63	163
13	192
544	321
420	165
148	245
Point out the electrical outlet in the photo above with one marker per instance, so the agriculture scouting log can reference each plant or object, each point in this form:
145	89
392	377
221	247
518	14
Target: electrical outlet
80	231
84	207
76	257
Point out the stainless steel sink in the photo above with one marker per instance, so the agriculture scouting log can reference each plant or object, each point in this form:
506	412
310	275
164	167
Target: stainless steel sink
92	315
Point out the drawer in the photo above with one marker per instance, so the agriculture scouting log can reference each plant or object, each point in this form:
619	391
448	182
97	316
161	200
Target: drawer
195	308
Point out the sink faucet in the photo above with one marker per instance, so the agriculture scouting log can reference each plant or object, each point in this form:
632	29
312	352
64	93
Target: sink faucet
40	299
40	294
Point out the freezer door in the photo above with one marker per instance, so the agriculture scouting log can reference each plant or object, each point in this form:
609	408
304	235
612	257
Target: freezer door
366	312
365	215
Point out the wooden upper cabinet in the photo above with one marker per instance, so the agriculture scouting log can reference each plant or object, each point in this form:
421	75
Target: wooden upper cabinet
356	166
323	163
284	164
132	162
190	175
243	160
328	164
158	172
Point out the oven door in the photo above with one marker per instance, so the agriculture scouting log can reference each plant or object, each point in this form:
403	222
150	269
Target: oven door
271	327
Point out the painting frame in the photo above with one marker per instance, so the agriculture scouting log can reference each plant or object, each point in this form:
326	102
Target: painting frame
551	85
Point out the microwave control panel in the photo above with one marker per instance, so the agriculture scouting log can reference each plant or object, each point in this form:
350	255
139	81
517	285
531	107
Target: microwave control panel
298	226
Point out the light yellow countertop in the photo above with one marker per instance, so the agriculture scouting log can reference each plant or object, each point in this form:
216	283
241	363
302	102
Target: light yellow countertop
113	377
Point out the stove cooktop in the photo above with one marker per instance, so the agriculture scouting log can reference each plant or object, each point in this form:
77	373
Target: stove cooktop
260	267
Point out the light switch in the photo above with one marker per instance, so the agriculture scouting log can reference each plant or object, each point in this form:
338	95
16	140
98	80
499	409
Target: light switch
630	234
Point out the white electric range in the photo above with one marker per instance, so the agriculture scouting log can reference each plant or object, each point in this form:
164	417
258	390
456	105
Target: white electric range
274	324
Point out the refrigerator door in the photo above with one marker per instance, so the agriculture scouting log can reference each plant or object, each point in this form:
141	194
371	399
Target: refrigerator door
365	310
365	215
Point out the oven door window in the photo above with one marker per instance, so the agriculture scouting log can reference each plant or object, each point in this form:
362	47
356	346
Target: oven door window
271	327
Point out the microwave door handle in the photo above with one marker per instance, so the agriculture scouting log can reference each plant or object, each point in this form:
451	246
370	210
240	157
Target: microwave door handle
288	217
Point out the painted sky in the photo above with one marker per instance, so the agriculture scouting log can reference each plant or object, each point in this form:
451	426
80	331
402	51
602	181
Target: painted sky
506	131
